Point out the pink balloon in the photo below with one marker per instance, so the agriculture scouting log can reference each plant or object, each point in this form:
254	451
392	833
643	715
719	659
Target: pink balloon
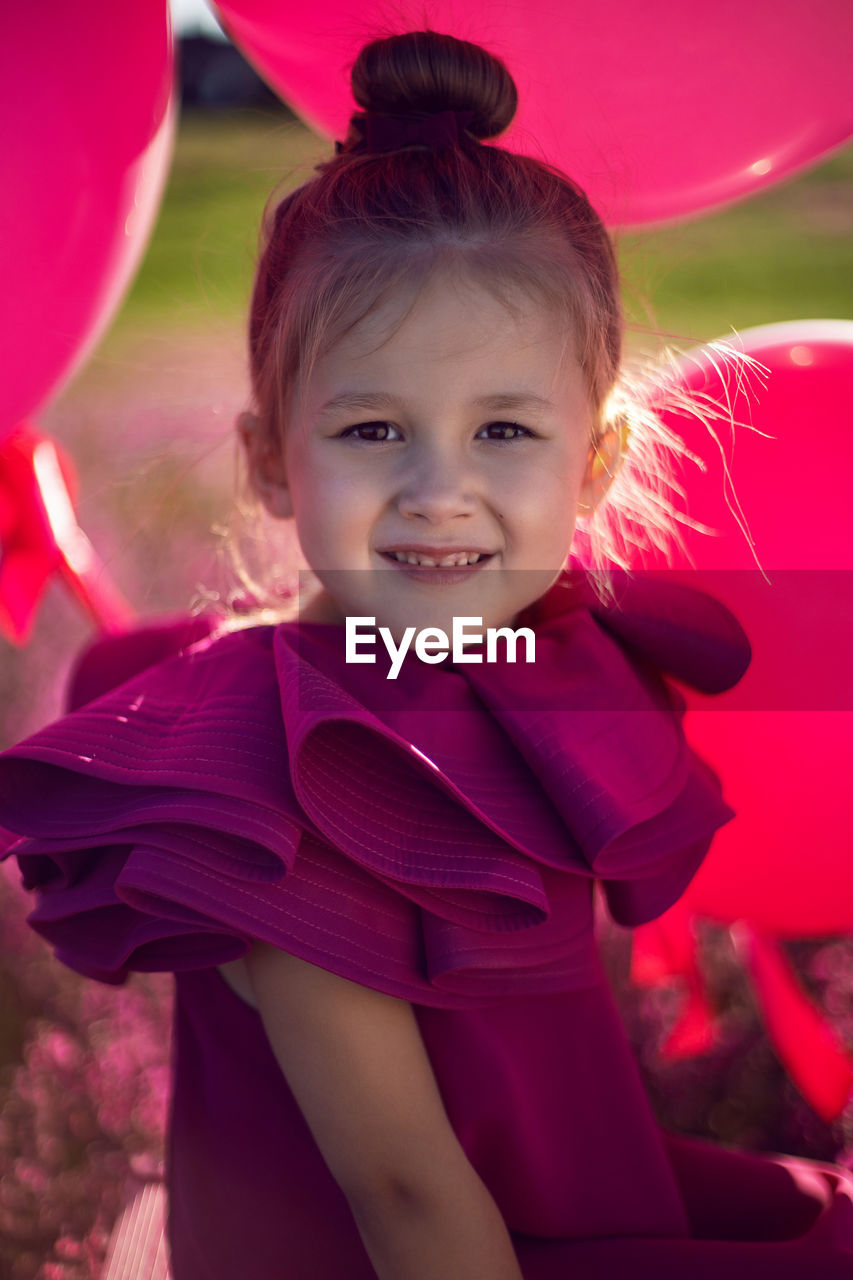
783	868
790	485
658	111
781	740
87	116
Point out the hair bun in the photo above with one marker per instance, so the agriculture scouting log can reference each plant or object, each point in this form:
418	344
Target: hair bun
422	71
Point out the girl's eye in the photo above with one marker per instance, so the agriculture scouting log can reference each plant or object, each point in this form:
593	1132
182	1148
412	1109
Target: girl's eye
505	431
375	432
380	432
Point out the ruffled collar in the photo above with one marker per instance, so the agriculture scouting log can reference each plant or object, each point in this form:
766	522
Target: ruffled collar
577	761
483	798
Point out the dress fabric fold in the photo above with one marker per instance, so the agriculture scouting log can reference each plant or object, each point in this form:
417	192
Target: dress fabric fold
436	838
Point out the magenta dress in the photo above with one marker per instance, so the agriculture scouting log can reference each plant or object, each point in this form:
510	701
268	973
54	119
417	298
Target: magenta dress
436	838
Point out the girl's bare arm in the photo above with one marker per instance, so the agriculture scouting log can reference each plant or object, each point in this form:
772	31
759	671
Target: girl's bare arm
356	1064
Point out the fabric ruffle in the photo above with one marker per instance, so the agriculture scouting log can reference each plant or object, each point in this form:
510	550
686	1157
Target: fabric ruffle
435	837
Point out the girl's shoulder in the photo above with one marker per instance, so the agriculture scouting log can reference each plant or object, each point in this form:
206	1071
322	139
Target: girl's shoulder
113	660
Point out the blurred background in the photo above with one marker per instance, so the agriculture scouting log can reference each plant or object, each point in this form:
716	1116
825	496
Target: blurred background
149	423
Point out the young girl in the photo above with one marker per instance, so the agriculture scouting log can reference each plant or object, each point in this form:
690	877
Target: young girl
395	1049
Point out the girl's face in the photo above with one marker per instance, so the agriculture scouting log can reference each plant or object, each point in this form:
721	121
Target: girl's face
462	432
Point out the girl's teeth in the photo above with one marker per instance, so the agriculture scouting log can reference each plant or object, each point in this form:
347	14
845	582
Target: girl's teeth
426	562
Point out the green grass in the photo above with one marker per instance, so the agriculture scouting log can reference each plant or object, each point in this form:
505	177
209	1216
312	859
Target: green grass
786	254
200	262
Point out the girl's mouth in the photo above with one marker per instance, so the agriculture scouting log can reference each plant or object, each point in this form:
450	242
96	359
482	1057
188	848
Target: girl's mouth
441	569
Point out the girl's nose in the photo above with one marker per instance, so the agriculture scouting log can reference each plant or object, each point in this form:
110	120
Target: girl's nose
437	489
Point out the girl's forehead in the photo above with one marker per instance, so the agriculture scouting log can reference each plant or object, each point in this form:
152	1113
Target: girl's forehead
448	320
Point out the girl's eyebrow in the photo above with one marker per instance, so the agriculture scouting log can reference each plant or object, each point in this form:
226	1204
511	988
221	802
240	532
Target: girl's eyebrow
383	400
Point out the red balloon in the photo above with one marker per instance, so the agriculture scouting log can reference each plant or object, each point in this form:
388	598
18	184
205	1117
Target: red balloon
40	538
780	740
87	118
658	111
814	1053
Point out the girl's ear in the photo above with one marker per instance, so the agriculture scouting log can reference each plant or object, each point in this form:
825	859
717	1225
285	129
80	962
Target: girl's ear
602	464
266	467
